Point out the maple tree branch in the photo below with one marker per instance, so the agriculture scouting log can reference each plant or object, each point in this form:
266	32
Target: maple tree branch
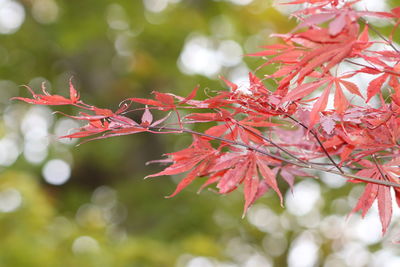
378	167
319	142
373	67
379	34
274	144
308	166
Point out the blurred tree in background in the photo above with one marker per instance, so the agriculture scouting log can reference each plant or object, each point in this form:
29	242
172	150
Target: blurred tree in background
62	205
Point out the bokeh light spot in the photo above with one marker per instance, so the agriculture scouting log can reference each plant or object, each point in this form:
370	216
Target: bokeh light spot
10	200
12	15
56	172
85	244
304	198
241	2
200	262
303	252
199	57
45	11
9	151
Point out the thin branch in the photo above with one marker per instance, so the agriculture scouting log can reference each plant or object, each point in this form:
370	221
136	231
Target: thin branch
319	142
380	34
274	144
374	68
379	168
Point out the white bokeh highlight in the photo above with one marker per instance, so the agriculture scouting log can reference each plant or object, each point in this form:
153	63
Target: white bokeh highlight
10	200
205	56
157	6
303	252
12	15
304	198
45	11
84	245
9	151
56	172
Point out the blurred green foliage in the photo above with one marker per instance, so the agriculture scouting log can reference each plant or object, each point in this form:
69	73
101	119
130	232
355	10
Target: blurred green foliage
106	214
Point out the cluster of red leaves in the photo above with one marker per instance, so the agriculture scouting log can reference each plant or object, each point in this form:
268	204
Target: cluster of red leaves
253	143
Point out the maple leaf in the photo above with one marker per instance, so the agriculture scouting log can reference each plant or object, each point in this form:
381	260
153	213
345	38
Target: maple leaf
199	153
319	106
48	99
303	90
375	85
375	192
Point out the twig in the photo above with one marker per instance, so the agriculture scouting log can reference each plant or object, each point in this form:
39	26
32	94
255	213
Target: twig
274	144
379	168
373	67
380	35
319	142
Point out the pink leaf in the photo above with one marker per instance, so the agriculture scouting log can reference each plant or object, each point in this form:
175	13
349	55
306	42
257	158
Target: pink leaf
337	25
147	117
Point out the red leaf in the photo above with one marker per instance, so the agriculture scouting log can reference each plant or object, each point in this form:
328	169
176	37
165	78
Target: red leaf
375	86
145	101
119	132
269	177
364	36
190	96
226	161
319	106
229	84
250	186
397	194
340	101
73	94
217	130
396	12
166	99
288	177
384	206
213	179
83	133
367	199
351	87
232	178
263	53
176	168
188	179
47	99
303	90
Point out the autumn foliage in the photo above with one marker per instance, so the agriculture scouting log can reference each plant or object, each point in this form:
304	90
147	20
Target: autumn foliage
258	134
